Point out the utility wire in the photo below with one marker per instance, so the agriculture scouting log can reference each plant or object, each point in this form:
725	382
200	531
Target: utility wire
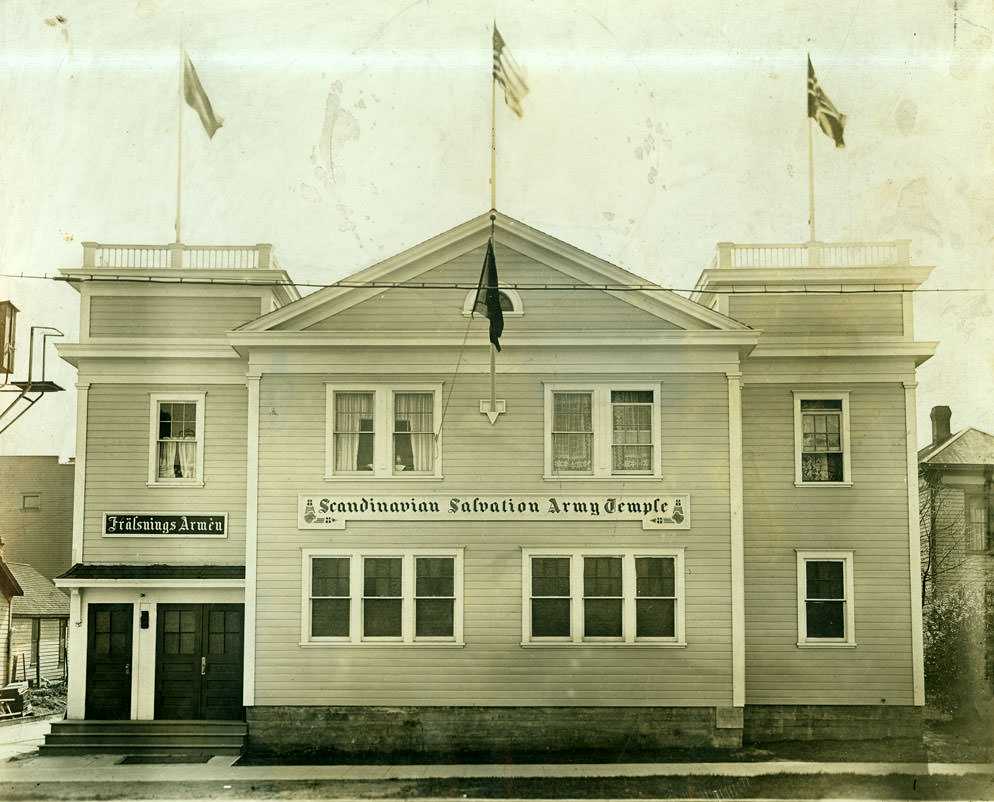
524	287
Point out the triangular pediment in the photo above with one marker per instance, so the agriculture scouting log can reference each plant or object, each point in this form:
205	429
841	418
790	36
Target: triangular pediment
560	288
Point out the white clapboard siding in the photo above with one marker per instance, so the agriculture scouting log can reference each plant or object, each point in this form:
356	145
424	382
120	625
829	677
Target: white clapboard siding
870	518
493	668
188	316
821	315
438	310
117	475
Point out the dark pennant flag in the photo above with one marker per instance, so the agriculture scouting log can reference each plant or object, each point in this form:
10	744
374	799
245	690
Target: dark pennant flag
488	296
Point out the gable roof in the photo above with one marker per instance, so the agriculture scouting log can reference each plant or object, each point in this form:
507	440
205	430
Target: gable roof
8	583
967	447
41	598
569	260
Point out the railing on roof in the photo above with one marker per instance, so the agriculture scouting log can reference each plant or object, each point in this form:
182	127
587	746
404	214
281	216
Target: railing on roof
814	254
178	256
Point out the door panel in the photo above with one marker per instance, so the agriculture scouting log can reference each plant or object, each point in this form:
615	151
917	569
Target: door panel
108	661
198	672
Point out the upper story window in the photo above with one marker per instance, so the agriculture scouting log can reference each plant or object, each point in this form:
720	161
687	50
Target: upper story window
383	431
825	613
31	501
176	447
821	439
377	596
603	597
602	431
978	523
510	303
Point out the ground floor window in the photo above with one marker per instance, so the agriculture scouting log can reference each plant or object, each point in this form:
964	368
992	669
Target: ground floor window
602	596
382	596
825	612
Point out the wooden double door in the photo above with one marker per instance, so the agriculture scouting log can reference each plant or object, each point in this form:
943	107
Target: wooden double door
198	661
108	661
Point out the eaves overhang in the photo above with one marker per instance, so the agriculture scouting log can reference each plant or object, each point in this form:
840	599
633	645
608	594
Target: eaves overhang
743	340
753	280
157	348
828	347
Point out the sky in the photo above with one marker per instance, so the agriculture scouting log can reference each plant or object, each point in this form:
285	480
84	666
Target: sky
652	131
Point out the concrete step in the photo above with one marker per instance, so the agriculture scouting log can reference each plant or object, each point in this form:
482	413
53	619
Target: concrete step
129	748
72	736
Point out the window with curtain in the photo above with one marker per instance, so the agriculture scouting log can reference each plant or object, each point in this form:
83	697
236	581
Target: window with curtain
414	432
631	441
821	450
572	432
383	431
602	431
354	432
177	440
978	523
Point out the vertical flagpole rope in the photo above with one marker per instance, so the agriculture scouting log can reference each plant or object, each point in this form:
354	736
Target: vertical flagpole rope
179	140
811	178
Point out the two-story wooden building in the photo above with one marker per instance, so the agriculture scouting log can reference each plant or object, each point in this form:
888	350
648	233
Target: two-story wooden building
690	523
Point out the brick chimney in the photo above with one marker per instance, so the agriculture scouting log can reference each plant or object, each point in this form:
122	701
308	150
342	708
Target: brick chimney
940	424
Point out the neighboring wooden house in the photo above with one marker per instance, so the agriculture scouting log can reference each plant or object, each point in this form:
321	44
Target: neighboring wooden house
36	495
692	522
956	472
9	588
40	622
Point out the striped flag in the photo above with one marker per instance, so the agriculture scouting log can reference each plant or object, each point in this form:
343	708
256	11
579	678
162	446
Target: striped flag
196	98
488	296
508	74
823	111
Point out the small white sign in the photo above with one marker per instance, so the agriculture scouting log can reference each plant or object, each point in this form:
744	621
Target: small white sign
332	511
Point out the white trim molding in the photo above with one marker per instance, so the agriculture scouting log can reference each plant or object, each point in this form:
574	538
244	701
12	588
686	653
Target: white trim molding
253	382
187	397
79	475
822	395
848	598
914	545
737	536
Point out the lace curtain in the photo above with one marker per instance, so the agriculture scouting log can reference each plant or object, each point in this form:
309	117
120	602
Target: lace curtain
353	431
414	432
572	432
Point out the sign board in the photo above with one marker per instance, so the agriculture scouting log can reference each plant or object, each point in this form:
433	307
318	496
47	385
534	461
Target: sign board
143	524
332	511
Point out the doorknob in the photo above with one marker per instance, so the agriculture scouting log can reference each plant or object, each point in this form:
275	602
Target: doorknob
127	669
203	666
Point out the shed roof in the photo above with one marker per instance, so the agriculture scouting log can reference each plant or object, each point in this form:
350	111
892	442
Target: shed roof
121	571
41	598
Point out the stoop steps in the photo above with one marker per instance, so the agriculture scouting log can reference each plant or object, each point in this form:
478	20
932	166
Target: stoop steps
81	736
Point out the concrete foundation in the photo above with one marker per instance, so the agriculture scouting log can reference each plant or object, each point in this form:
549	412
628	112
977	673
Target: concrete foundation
766	723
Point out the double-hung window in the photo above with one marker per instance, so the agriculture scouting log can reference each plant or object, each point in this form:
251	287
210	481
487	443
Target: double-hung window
381	596
602	597
825	611
602	431
176	439
978	522
821	439
383	431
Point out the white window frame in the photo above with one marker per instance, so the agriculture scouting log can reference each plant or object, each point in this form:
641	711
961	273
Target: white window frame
517	308
628	587
602	422
816	395
849	601
200	399
976	530
356	559
383	417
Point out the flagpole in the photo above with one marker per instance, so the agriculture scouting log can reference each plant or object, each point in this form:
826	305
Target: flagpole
811	178
493	136
179	140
